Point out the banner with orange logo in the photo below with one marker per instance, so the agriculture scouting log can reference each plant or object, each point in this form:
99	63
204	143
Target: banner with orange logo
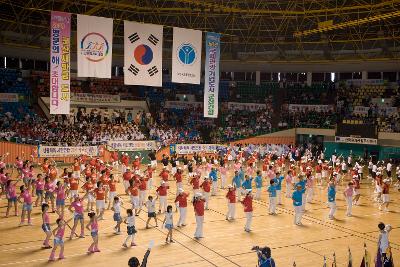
94	48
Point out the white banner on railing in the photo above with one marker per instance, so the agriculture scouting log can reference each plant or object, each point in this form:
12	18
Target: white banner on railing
8	97
67	151
246	106
356	140
132	145
317	108
192	148
385	111
95	98
183	105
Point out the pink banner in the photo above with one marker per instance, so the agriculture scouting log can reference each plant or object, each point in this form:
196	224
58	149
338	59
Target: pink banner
60	60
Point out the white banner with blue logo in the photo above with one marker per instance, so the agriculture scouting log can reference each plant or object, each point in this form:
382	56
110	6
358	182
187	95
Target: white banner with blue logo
211	79
143	54
94	46
186	56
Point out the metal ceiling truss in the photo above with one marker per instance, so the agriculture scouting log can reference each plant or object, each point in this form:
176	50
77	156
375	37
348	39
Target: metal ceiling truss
271	29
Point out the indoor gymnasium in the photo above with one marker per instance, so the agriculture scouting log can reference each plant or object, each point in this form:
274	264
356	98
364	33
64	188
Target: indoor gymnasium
200	133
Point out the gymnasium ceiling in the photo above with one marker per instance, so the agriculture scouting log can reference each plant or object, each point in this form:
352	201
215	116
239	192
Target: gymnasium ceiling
271	30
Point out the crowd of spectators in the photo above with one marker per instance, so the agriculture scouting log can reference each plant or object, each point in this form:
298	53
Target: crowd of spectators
307	119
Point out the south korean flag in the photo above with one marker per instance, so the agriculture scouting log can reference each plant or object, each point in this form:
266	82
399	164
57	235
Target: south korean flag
142	54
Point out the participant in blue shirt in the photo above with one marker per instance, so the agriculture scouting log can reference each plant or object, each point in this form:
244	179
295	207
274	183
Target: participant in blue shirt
213	175
331	192
258	180
247	183
237	181
272	189
297	197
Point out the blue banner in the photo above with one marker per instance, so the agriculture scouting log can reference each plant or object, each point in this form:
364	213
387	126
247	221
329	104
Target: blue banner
211	79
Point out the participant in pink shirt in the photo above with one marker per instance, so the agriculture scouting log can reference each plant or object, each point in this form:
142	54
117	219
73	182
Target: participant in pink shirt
26	204
223	171
348	195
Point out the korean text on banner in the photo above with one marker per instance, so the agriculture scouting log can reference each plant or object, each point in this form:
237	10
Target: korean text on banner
94	46
60	60
186	56
211	79
67	151
143	54
192	148
132	145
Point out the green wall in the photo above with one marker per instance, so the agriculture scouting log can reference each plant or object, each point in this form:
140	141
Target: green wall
383	152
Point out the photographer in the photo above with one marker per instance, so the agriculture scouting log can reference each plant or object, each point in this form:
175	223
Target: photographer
134	262
264	257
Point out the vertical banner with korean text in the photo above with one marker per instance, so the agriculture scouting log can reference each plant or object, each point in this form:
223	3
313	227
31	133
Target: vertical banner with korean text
94	46
143	54
60	59
211	78
186	56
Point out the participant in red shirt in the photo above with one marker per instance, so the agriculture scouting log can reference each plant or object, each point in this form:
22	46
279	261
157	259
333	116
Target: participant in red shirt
88	186
164	174
127	176
206	186
149	172
112	184
133	191
231	196
136	163
100	193
198	205
162	195
181	203
195	182
178	179
248	210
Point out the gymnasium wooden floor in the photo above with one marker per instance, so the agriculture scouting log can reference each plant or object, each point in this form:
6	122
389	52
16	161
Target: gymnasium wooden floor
225	243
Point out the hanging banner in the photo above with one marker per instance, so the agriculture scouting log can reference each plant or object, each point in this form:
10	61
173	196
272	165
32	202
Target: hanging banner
67	151
95	98
94	48
186	56
60	60
132	145
143	54
356	140
192	148
8	97
246	106
183	105
211	79
303	108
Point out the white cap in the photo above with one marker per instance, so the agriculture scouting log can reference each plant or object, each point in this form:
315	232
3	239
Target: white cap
386	181
164	167
308	168
180	190
230	186
319	161
128	168
334	173
198	194
136	157
248	191
206	177
179	168
355	176
162	182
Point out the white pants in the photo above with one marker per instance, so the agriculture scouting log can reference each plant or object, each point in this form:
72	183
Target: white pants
207	198
199	226
214	188
178	185
258	193
223	180
231	211
163	203
135	202
238	192
278	196
182	216
310	194
288	190
303	199
77	174
142	197
123	168
249	219
332	208
349	201
126	184
298	214
154	163
272	204
150	183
